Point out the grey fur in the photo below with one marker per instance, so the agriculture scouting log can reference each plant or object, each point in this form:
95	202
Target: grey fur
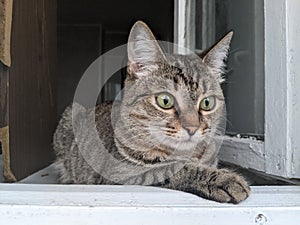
146	145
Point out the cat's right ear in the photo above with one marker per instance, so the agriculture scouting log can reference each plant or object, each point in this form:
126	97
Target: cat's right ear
144	52
216	56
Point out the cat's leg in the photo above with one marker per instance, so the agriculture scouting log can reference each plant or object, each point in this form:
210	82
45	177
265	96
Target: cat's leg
220	185
211	183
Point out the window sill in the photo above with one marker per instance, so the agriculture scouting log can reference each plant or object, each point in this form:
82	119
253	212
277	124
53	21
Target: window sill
97	204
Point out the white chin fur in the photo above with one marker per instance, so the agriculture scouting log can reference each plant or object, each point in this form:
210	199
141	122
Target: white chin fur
180	143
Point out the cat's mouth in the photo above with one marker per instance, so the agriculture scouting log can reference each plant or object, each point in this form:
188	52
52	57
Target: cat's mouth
186	143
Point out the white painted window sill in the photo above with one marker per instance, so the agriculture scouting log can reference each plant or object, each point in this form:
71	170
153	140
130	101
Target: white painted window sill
36	204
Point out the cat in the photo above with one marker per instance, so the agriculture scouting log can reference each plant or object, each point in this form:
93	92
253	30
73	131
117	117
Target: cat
162	133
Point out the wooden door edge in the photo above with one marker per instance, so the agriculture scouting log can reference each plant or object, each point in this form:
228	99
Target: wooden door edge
4	139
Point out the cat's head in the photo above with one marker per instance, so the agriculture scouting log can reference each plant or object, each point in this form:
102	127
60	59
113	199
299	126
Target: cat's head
171	103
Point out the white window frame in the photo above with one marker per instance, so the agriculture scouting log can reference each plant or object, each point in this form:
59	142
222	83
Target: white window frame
279	153
104	204
96	204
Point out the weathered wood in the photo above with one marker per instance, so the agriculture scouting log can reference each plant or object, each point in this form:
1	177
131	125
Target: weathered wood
244	152
184	26
282	100
4	139
4	73
96	204
32	100
293	50
5	30
4	123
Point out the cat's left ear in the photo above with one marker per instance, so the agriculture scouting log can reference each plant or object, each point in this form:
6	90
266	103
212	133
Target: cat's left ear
216	56
144	52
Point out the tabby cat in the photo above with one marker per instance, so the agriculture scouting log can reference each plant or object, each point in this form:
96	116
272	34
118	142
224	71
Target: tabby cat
164	131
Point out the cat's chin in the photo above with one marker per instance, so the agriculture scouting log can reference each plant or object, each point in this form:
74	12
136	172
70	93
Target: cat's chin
183	144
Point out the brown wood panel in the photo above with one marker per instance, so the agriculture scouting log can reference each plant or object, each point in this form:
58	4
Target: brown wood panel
32	81
4	123
4	72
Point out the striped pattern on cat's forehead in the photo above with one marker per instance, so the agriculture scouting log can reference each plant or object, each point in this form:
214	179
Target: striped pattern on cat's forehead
191	72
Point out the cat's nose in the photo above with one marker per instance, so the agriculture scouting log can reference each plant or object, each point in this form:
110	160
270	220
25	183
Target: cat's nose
191	130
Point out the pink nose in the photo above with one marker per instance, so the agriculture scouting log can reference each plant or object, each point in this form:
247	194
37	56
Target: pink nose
191	130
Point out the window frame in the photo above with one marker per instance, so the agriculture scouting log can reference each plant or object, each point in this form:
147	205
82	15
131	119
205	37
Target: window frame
93	204
278	153
99	204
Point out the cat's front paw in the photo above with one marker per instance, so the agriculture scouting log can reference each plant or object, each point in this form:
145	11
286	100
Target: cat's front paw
226	186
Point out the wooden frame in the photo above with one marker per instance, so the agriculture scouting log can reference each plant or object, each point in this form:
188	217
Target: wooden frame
279	154
27	93
282	79
184	24
96	204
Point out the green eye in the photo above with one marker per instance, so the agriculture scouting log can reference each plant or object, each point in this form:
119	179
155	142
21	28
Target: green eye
165	101
208	103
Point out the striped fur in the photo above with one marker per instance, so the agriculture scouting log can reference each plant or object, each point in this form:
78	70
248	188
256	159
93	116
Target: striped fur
144	144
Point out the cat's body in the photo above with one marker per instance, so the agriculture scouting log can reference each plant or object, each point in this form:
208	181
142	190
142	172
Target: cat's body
163	132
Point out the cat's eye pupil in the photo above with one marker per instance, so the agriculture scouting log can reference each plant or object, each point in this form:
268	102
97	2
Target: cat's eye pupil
165	101
208	103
